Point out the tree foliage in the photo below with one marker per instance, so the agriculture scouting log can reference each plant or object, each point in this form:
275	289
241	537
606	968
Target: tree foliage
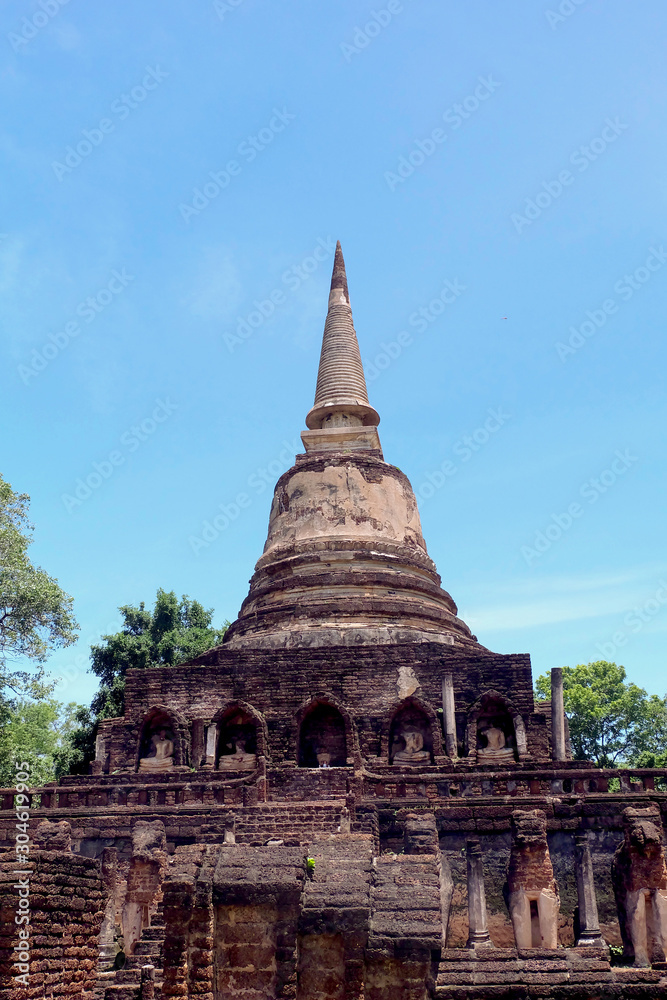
35	617
172	633
612	722
36	732
35	614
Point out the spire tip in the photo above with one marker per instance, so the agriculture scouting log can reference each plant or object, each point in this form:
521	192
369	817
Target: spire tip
339	277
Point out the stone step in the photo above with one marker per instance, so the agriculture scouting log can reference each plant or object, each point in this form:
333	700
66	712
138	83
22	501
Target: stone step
484	954
122	992
152	933
146	949
522	964
137	961
496	977
632	975
133	975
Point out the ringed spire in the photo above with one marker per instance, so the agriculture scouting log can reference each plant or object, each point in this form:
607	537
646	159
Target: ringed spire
341	397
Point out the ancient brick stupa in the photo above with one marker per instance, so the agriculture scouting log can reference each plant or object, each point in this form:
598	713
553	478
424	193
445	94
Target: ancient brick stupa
350	797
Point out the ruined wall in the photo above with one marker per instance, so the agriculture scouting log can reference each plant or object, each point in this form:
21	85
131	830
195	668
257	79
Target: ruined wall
67	903
496	854
368	684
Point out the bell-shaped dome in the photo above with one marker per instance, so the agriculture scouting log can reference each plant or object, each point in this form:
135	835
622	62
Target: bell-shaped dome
345	560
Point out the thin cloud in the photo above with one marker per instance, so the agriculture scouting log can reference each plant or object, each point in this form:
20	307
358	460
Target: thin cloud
563	599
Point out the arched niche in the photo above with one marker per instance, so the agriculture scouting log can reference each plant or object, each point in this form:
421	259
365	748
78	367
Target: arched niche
411	736
160	741
495	731
240	738
323	737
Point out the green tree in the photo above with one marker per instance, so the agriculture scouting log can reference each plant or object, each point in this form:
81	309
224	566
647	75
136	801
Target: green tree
172	633
35	614
35	732
612	722
35	617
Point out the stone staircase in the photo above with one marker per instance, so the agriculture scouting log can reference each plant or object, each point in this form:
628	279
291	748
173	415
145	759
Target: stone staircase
507	974
126	983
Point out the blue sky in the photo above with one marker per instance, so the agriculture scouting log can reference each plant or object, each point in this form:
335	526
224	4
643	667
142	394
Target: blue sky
495	172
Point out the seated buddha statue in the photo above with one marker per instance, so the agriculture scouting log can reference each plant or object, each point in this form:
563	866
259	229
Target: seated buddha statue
161	755
413	751
496	745
240	760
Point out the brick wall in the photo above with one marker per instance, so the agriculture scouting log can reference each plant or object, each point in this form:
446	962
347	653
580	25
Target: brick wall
67	903
367	684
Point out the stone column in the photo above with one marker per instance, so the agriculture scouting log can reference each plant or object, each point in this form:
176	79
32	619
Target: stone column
211	734
147	982
557	714
97	765
197	749
589	925
520	733
478	935
449	715
109	872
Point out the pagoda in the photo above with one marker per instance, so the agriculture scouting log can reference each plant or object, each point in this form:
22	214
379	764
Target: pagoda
350	798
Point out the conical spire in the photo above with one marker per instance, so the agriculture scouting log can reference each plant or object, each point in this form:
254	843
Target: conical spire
341	396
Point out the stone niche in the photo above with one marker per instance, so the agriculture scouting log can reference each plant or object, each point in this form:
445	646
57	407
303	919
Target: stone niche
410	737
322	741
157	744
237	742
491	731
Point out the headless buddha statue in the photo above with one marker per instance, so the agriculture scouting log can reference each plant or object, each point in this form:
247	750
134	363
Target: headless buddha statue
240	760
496	745
161	756
413	751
